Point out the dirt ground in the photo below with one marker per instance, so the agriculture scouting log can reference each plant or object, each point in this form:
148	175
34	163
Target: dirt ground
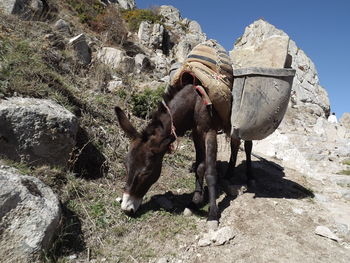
274	222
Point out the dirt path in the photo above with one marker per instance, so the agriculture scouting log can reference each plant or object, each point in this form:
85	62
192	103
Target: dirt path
276	222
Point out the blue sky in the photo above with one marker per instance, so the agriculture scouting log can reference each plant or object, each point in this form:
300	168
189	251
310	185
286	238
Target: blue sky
320	28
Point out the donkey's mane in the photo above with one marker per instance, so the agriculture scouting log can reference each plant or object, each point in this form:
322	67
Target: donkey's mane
169	94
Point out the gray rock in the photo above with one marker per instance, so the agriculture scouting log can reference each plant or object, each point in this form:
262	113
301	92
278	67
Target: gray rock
116	59
115	84
218	237
269	53
144	32
30	214
142	63
326	232
82	49
151	35
62	26
26	9
126	4
194	27
162	260
171	14
345	120
37	131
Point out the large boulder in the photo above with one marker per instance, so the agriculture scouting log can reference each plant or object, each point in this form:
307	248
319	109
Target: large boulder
29	216
116	59
37	131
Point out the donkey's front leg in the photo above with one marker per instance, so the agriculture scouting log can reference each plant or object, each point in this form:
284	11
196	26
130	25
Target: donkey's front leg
211	174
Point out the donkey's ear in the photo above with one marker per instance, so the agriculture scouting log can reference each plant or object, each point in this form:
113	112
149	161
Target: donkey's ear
125	124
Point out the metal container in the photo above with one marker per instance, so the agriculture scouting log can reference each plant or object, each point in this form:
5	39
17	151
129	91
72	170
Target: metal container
260	100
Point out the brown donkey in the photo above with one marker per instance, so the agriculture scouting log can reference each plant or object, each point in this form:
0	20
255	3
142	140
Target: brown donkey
181	110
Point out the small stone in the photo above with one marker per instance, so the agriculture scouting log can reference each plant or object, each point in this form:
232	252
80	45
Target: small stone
213	224
162	260
224	235
298	211
187	212
72	257
326	232
119	200
205	241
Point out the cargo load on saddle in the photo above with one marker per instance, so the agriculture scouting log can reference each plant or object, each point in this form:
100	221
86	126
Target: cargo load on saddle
261	89
251	97
209	68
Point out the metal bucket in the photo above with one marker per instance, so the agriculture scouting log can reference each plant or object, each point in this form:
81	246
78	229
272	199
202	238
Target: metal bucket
260	100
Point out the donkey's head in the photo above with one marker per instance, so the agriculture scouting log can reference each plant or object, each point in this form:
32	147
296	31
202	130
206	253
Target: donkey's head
144	160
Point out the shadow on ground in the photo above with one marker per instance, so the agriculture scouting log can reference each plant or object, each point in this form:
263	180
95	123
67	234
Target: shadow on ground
270	183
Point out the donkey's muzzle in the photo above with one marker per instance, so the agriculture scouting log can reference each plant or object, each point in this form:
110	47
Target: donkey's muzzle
130	204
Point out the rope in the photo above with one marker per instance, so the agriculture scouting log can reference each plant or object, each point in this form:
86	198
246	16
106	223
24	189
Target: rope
173	129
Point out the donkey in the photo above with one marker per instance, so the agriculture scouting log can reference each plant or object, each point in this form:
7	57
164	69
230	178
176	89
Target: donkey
182	109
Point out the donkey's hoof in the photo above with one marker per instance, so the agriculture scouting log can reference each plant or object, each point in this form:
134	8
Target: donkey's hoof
213	224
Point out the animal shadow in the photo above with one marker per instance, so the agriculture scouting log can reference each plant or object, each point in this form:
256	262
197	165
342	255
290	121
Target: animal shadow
270	180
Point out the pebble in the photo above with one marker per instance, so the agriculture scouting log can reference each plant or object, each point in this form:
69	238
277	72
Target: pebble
217	238
326	232
162	260
298	211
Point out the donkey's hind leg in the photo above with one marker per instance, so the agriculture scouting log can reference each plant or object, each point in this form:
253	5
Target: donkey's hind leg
211	173
248	145
199	169
234	143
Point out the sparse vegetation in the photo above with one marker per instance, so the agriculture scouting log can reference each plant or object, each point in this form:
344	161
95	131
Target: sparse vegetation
144	103
135	17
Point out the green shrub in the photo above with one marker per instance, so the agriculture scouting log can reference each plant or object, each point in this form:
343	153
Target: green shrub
144	103
135	17
86	10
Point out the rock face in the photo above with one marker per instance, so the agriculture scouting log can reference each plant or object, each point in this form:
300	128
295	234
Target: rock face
29	216
306	90
37	131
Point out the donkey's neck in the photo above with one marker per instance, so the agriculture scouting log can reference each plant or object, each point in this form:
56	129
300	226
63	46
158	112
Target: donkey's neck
181	108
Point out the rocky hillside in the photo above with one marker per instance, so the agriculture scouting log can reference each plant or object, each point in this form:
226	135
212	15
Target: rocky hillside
64	65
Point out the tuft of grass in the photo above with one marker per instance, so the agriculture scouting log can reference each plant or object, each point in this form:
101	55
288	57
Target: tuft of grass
344	172
346	162
135	17
145	102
